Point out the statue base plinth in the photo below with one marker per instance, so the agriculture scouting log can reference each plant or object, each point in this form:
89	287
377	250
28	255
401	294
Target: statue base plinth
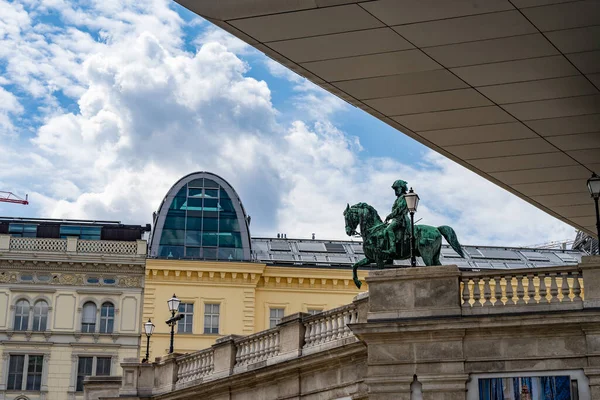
400	293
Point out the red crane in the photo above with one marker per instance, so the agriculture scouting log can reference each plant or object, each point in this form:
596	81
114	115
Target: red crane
8	197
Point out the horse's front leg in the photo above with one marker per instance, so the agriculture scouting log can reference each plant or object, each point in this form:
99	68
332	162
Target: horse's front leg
355	267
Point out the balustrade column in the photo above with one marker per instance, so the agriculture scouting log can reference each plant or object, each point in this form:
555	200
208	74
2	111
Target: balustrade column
564	288
553	289
520	290
466	296
476	293
530	289
576	287
509	290
543	289
487	293
498	291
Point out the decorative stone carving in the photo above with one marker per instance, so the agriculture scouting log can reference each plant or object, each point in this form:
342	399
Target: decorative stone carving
129	281
67	279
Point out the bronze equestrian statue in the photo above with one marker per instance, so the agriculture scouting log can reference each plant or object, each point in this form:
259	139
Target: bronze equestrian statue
383	243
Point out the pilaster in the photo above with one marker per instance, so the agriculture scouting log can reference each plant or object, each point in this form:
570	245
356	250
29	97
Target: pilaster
590	268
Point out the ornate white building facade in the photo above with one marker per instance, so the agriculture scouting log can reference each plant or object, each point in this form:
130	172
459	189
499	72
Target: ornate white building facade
68	308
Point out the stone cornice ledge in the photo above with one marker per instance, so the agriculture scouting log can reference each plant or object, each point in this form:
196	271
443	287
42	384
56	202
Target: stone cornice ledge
409	273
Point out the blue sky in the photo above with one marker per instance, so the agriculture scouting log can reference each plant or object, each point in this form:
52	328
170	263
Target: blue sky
105	104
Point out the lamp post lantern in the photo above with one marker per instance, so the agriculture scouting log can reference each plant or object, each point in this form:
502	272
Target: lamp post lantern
173	304
149	330
593	185
412	202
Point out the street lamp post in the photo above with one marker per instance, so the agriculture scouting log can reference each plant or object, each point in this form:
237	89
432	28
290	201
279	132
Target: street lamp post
173	304
593	185
149	329
412	201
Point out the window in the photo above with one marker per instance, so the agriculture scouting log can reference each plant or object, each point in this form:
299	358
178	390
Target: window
313	311
107	318
92	366
547	387
22	230
185	324
103	366
21	315
275	316
25	371
40	316
81	232
201	223
84	368
88	318
211	318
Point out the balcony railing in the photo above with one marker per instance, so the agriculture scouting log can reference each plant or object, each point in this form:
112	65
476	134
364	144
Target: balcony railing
256	348
193	366
38	244
72	245
330	326
324	330
496	291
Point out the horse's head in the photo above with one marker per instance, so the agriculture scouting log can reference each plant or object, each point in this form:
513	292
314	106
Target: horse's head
352	220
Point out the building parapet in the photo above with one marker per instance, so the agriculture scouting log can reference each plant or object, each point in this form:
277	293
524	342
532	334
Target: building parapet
72	245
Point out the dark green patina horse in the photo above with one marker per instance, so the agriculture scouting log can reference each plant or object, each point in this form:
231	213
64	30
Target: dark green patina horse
428	239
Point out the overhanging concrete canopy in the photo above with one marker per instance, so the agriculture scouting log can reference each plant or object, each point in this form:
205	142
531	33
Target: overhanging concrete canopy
508	89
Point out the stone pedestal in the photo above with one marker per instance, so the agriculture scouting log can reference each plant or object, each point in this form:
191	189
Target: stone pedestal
414	293
404	338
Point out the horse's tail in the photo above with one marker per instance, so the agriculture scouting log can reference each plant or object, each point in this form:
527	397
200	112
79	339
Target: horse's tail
451	238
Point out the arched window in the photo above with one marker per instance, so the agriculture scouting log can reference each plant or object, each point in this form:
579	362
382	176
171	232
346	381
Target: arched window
107	318
21	315
40	316
88	318
201	217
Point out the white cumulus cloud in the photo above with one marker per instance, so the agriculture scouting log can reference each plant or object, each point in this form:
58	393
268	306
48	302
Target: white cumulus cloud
142	111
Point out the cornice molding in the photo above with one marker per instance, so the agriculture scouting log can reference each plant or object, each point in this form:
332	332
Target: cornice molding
69	279
71	266
268	277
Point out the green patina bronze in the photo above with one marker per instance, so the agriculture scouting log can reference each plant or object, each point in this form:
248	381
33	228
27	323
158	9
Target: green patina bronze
383	242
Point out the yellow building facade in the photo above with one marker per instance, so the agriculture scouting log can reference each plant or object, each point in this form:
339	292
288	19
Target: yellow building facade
249	297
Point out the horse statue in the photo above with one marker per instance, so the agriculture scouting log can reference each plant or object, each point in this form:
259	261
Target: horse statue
428	240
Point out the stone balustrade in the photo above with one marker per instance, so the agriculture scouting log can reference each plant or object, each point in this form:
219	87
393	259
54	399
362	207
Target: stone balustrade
72	245
37	244
233	354
106	247
256	348
330	325
509	290
193	366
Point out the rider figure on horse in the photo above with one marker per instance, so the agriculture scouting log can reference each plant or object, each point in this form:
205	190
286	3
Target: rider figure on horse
398	217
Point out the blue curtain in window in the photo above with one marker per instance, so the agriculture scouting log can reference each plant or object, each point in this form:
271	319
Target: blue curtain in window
497	389
556	387
491	389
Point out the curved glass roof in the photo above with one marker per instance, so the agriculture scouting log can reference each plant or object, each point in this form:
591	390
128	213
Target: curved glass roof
201	217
